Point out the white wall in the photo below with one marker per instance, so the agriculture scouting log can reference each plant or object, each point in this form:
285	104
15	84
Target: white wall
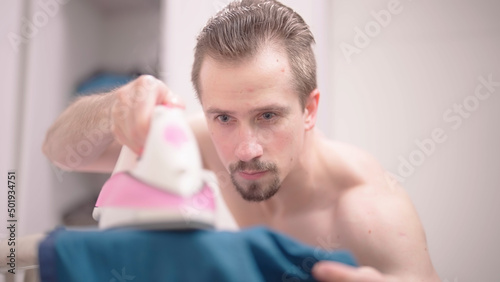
9	87
181	23
396	90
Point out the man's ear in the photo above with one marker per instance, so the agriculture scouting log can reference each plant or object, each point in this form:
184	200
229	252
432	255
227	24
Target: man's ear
311	109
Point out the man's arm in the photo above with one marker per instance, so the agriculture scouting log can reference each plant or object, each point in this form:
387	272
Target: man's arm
381	227
80	139
89	134
377	222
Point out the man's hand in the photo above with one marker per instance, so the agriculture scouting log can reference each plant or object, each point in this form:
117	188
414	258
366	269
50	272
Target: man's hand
133	107
327	271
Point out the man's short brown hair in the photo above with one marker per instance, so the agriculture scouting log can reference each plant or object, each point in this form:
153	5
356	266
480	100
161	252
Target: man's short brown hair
243	28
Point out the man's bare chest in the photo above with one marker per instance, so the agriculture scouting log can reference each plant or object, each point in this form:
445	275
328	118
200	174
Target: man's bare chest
314	228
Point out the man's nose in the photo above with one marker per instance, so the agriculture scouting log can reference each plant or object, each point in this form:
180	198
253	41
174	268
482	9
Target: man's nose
248	147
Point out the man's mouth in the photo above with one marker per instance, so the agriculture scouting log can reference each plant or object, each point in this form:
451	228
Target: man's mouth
252	175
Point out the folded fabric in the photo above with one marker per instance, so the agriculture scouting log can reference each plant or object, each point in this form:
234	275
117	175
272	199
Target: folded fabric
255	254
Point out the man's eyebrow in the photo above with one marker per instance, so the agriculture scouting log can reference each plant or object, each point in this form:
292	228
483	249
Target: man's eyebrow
271	108
267	108
213	110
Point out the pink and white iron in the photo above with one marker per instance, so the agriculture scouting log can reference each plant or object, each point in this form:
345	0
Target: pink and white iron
166	188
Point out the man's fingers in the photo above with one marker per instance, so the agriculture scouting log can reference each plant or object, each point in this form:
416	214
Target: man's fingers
176	101
167	97
332	272
337	272
118	134
132	111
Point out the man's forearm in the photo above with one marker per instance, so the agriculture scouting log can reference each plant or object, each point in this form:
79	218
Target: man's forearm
81	133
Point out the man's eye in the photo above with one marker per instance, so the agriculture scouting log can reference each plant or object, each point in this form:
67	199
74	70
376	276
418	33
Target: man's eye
223	118
268	116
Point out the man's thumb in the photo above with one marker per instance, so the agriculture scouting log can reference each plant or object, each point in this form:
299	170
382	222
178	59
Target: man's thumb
168	98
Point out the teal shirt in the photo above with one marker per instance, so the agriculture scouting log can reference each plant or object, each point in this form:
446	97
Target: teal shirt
255	254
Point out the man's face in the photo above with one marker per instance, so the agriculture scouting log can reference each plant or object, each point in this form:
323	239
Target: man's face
255	120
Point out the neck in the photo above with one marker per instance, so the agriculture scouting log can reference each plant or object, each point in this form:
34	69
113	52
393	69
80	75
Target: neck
301	184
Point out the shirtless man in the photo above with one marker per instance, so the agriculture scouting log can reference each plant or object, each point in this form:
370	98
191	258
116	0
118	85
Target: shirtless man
255	76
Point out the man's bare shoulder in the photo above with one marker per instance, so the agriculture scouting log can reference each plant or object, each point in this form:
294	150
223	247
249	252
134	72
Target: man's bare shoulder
355	163
376	219
382	228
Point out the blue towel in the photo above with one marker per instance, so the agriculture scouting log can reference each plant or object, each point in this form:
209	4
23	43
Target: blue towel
255	254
